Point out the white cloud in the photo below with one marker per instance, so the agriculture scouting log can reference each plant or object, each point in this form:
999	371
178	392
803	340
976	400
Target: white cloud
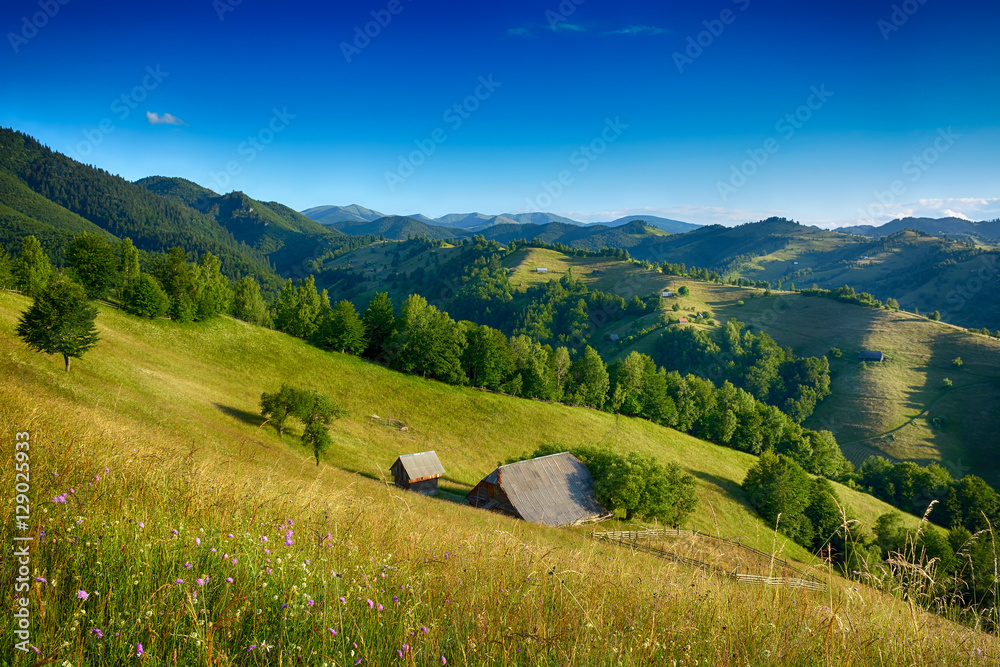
638	30
163	119
519	32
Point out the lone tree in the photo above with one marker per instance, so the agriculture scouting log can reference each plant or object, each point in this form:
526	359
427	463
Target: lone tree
60	321
315	410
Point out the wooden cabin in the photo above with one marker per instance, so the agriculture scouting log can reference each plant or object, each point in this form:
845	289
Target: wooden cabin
418	472
554	490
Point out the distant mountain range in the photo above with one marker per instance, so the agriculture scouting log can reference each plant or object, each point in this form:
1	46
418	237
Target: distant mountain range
989	229
335	216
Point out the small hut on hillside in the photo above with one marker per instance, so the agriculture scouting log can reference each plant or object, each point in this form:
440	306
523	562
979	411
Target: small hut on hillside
418	472
871	355
554	490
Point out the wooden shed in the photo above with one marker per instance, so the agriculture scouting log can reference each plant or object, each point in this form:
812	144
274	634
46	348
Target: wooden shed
871	355
554	490
418	472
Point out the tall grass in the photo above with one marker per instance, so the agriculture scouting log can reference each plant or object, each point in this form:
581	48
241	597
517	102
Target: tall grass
149	500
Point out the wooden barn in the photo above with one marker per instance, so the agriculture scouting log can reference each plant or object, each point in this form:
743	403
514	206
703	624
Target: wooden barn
554	490
871	355
418	472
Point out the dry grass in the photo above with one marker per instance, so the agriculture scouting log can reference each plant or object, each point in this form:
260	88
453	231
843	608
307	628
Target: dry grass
154	432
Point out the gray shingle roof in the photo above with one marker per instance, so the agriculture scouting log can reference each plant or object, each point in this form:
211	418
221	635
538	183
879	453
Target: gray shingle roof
871	355
421	466
553	490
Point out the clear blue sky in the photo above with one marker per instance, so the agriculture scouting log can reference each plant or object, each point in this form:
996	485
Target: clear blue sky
559	80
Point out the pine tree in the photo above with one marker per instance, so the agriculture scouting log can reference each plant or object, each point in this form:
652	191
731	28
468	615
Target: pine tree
248	304
128	264
31	269
60	321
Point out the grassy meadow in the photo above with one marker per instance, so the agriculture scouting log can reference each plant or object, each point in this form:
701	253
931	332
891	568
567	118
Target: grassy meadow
172	528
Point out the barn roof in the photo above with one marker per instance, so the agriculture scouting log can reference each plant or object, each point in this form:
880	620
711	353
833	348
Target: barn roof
420	466
871	355
553	490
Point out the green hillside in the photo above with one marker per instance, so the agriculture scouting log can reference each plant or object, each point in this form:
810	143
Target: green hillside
154	454
899	409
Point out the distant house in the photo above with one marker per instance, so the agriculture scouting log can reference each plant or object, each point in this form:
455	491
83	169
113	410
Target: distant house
871	355
683	320
554	490
418	472
667	295
541	270
597	272
614	338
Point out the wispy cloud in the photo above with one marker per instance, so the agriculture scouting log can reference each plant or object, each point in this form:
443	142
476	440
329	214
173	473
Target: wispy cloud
964	208
164	119
568	27
519	32
638	30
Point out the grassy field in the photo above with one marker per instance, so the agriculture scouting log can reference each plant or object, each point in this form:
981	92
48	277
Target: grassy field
208	540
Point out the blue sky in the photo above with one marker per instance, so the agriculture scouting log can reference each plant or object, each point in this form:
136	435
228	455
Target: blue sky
724	111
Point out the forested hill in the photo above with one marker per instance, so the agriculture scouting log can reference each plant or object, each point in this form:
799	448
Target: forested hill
122	208
289	239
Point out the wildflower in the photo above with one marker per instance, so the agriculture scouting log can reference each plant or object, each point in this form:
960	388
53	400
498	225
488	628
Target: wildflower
173	531
380	607
371	604
212	550
142	525
201	582
138	650
332	632
197	541
406	648
311	603
100	635
83	595
358	662
424	629
229	580
187	566
41	579
444	661
263	538
395	599
230	536
178	581
343	600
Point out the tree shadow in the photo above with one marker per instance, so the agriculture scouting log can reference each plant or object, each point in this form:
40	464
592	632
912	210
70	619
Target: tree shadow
731	488
251	418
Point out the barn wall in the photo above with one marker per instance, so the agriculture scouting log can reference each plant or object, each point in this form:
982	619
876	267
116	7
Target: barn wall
428	487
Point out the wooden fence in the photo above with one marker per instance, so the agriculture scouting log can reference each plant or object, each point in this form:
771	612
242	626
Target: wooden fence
634	540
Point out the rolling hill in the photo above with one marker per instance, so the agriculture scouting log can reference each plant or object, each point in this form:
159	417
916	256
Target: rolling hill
989	230
168	465
663	224
327	215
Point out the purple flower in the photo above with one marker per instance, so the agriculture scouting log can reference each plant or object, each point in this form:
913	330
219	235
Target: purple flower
332	632
212	550
444	661
358	662
343	600
41	579
371	605
142	525
263	538
406	648
380	607
59	499
251	647
395	599
424	629
100	635
178	581
187	566
399	653
229	580
197	541
173	531
138	650
83	595
311	603
201	582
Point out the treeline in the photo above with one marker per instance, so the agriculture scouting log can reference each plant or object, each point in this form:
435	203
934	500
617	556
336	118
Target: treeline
939	566
846	294
753	362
